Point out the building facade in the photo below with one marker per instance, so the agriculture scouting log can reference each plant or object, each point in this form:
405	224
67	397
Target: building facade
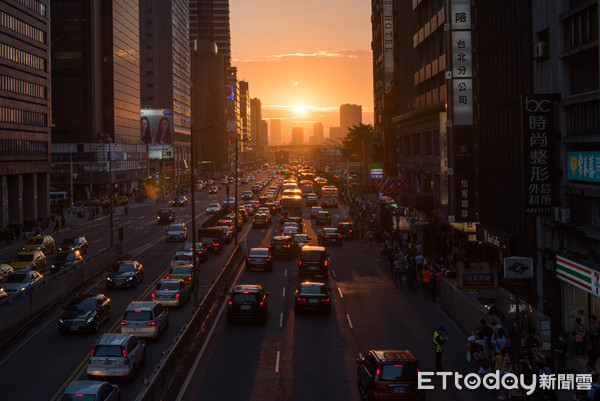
209	20
276	132
350	115
297	136
96	99
257	139
317	133
24	111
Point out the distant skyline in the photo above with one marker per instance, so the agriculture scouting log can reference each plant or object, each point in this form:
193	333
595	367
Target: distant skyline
305	67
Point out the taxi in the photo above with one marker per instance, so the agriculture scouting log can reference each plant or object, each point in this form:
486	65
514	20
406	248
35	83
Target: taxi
44	243
34	260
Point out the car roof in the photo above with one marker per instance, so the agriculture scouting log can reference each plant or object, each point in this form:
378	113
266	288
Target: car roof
259	249
311	284
246	288
394	355
186	253
329	229
142	305
281	237
313	248
83	387
171	280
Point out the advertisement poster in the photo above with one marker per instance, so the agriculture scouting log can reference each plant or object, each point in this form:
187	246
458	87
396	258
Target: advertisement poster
156	131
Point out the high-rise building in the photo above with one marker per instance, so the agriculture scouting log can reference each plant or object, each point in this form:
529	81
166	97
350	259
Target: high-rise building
350	115
234	121
317	133
257	140
96	98
166	76
263	142
24	111
209	20
245	119
297	136
335	133
276	132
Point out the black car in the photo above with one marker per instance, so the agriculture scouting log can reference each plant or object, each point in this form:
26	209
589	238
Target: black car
125	274
329	236
261	220
201	251
65	259
299	220
165	216
84	313
323	218
74	244
348	230
180	201
313	261
312	296
283	245
248	302
259	259
274	207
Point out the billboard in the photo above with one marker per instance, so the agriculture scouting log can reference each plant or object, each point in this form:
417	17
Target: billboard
156	131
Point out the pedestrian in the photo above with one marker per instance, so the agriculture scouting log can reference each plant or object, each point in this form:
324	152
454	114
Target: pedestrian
420	261
56	226
594	336
438	346
579	334
563	353
499	341
426	279
63	221
397	271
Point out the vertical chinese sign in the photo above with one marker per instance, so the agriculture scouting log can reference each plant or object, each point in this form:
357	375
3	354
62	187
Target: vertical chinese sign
537	157
462	198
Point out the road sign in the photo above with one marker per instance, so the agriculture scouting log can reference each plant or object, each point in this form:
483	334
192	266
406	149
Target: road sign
327	169
345	171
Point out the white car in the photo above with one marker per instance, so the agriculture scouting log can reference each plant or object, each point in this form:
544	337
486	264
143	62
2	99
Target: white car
20	280
177	232
182	258
214	208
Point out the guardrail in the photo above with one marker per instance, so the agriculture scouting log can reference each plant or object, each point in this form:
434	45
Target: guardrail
19	309
181	353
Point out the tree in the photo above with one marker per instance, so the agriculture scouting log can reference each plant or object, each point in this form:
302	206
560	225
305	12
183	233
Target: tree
359	139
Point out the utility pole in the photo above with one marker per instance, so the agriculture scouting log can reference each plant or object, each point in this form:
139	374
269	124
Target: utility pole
71	157
235	206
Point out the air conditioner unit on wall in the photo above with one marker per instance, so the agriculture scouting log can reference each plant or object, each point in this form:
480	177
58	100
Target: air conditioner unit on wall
540	51
565	215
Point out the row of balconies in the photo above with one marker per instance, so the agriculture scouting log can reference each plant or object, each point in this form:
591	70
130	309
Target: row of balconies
434	96
430	26
438	65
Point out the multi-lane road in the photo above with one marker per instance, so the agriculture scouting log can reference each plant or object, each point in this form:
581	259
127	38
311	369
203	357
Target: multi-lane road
293	357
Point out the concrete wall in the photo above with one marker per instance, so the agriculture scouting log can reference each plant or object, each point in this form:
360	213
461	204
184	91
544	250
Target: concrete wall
19	309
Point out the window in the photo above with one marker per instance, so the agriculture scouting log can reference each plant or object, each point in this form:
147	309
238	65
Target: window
16	25
22	57
20	87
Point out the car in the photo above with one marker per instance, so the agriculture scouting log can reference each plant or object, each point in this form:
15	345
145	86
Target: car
289	230
323	218
92	202
213	190
248	302
172	292
125	273
180	272
85	312
348	230
20	281
65	259
251	177
312	199
211	238
180	201
116	355
91	390
121	200
147	319
44	243
249	209
261	220
247	195
230	180
313	261
201	251
240	222
255	204
259	259
256	188
314	210
74	244
389	375
34	260
228	203
283	245
302	240
5	271
176	232
165	216
243	213
213	208
312	296
263	209
182	258
329	236
227	233
226	223
297	219
245	180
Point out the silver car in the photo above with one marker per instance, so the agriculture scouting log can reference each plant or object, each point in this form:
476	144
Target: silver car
116	355
95	390
171	292
20	281
177	232
145	319
214	208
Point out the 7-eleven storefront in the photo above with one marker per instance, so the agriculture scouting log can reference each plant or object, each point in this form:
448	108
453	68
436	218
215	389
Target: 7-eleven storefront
580	291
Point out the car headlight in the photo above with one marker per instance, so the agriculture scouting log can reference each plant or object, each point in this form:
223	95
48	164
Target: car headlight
109	278
90	319
60	320
129	278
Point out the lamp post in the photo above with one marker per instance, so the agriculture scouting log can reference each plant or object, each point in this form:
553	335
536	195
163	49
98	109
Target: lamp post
193	189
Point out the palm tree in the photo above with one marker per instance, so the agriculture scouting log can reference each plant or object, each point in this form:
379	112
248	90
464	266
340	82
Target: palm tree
357	141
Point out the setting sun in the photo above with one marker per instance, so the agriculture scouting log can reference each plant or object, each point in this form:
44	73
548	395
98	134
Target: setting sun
301	109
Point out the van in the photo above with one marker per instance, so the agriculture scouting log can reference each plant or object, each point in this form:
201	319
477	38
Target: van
211	237
313	261
116	355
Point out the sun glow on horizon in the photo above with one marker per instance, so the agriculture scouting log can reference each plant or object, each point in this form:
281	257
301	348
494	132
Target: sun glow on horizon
300	109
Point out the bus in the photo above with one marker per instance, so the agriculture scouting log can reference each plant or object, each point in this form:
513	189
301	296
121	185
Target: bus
307	187
329	196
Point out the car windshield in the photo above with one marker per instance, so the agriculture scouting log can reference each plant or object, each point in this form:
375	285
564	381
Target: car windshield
164	211
312	290
132	315
65	256
35	240
397	371
259	253
330	230
113	351
68	241
123	268
23	258
180	270
175	227
242	298
301	237
82	304
167	286
17	278
213	205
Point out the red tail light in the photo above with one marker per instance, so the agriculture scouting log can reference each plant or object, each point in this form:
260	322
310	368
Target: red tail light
147	324
287	246
177	295
300	262
124	352
166	278
230	303
249	259
94	350
270	246
153	295
268	259
215	244
326	236
190	278
301	299
324	299
326	262
262	303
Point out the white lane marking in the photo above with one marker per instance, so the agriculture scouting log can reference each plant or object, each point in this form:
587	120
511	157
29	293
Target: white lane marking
277	362
333	273
340	291
96	240
349	321
285	272
144	232
283	292
281	320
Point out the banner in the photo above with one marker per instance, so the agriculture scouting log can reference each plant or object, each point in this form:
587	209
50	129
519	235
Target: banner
156	131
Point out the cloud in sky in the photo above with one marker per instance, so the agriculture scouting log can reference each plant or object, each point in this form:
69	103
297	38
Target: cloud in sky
351	54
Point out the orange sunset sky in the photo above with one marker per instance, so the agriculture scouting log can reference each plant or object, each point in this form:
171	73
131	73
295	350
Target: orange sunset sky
303	59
